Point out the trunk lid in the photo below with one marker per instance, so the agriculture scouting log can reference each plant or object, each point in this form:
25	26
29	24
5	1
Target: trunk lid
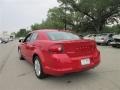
77	48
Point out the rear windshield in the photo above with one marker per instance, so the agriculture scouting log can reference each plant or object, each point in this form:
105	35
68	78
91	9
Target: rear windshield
101	34
104	34
62	36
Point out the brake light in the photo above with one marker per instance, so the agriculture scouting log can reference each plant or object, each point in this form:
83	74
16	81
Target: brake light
57	48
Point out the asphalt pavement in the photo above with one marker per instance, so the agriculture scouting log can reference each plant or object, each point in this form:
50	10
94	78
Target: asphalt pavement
19	75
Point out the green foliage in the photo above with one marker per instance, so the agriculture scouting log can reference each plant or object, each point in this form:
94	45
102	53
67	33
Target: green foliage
54	20
36	26
13	33
113	29
97	12
22	33
82	16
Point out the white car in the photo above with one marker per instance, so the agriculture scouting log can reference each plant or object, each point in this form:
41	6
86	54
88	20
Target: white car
104	38
0	41
10	39
90	36
4	40
116	41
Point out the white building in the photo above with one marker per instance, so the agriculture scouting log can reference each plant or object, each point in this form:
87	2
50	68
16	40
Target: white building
0	34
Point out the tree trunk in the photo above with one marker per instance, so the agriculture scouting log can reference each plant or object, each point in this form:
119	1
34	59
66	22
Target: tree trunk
98	27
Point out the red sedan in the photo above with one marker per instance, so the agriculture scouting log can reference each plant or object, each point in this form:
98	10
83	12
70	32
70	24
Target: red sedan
57	53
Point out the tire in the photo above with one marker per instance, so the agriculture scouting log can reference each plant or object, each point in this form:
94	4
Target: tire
38	68
108	43
118	46
102	44
114	46
20	55
98	44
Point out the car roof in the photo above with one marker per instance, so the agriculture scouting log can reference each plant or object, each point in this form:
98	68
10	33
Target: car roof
46	30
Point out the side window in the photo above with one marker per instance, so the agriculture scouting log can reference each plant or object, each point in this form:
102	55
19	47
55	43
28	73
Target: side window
28	37
33	37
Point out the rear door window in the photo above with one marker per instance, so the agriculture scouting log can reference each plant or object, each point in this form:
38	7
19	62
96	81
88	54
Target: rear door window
33	37
28	37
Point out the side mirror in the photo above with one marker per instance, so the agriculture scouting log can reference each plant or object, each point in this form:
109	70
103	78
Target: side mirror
21	40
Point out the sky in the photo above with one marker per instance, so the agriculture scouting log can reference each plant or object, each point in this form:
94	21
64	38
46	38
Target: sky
16	14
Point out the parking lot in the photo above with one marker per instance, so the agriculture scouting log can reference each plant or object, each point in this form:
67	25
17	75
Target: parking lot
19	75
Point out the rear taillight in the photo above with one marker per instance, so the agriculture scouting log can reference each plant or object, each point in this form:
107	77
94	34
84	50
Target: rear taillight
56	48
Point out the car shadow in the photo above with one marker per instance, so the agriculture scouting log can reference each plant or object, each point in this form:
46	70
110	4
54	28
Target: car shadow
73	77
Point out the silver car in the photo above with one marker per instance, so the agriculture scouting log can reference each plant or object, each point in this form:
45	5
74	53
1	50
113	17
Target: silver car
0	40
5	40
104	38
116	41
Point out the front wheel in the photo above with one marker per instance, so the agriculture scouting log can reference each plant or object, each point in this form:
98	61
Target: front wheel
38	68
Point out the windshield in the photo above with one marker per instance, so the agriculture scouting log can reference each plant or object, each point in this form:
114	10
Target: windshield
101	34
62	36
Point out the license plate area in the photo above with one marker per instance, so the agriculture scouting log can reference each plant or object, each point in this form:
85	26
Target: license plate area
85	61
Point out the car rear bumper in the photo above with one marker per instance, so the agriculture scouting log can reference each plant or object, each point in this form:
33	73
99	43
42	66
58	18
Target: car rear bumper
60	72
70	65
101	42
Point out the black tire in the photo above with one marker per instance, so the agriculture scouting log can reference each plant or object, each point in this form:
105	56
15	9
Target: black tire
40	75
102	44
98	44
118	46
108	43
20	55
114	46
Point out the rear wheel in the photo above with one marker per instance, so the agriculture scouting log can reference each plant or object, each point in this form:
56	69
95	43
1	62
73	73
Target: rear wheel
38	68
114	46
20	55
118	46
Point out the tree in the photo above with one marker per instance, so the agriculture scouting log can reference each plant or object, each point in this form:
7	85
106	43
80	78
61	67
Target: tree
21	33
53	21
35	26
97	12
113	29
65	16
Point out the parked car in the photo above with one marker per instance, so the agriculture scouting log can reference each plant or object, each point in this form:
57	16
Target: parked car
104	38
90	36
10	39
5	40
57	53
0	40
116	41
